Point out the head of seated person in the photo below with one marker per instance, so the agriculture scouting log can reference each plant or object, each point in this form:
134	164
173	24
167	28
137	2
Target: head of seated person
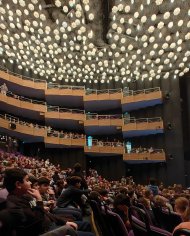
16	181
74	181
182	208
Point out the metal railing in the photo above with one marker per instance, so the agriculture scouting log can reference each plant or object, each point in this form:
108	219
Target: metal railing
49	131
137	92
64	110
24	99
103	91
126	91
144	150
22	76
61	87
99	143
95	116
142	120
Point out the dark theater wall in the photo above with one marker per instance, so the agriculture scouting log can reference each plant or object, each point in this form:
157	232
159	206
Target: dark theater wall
172	139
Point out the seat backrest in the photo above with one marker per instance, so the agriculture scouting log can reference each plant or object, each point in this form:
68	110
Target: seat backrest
141	225
182	232
100	219
166	219
116	224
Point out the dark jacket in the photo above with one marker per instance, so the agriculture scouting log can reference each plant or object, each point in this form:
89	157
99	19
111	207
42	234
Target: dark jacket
35	220
71	196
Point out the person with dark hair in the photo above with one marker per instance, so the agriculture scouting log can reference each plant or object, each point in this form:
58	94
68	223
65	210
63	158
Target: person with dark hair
121	205
28	201
71	196
77	171
153	187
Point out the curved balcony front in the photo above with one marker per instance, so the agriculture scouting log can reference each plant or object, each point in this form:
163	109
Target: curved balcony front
101	100
133	100
59	140
30	87
22	130
148	156
21	105
141	127
64	118
77	96
65	95
99	148
29	132
103	124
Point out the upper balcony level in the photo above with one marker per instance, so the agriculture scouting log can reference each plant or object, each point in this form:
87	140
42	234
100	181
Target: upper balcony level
77	96
76	119
144	155
141	127
29	132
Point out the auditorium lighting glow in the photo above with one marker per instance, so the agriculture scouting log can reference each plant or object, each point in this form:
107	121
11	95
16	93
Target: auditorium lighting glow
145	39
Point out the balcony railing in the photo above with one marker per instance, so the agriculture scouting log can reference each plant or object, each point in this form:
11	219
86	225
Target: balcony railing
103	91
142	120
24	99
137	92
96	142
95	116
64	87
64	110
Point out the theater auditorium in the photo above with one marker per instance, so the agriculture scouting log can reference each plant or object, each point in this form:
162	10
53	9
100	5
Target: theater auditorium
94	118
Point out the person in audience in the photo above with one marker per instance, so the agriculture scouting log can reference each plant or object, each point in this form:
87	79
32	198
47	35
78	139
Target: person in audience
4	89
29	203
121	205
153	187
77	171
182	208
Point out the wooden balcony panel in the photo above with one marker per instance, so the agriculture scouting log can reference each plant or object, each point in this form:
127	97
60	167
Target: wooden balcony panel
52	114
129	126
153	95
115	96
91	122
33	107
51	140
39	132
11	101
4	75
136	156
103	96
92	149
108	149
128	99
104	122
156	125
91	97
64	92
78	142
142	126
116	122
65	142
24	129
71	116
40	85
4	123
158	156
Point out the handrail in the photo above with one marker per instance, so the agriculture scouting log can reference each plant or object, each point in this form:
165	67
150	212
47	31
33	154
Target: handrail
144	150
126	91
64	110
49	131
96	142
21	98
53	85
95	116
103	91
144	91
142	120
